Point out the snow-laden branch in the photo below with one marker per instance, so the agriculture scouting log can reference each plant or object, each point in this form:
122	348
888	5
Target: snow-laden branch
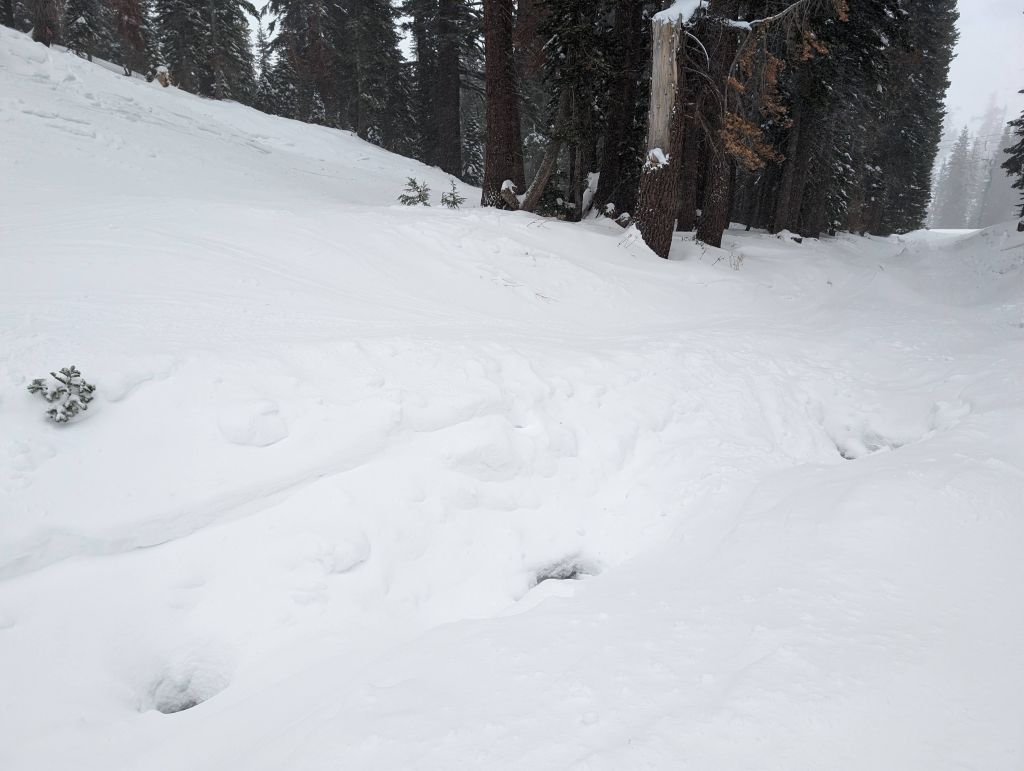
682	12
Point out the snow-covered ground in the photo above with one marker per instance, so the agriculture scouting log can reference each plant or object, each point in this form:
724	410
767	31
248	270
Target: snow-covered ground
777	492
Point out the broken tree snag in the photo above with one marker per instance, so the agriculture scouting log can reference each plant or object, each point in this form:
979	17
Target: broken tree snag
664	78
551	152
508	195
658	196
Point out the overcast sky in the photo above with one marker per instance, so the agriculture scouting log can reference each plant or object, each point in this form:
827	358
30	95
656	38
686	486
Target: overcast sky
989	62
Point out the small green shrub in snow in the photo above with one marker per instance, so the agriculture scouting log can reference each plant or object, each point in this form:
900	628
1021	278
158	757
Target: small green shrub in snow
416	194
70	394
452	200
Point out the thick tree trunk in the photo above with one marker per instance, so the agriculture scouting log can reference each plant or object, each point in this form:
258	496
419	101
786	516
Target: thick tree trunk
449	89
715	212
7	13
503	154
658	196
614	185
714	219
783	209
686	219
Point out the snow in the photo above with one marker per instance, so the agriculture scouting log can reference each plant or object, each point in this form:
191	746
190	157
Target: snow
680	12
777	490
657	158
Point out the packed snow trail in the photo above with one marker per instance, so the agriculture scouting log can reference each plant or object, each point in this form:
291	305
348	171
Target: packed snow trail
777	491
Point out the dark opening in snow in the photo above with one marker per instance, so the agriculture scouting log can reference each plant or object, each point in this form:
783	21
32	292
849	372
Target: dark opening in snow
567	569
186	687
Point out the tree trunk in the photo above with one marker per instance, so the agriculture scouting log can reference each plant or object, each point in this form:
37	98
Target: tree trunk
658	197
45	15
783	209
8	13
551	153
617	169
715	212
686	219
449	89
714	219
503	155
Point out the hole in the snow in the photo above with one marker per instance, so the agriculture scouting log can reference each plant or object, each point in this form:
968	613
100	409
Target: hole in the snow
185	686
854	447
567	569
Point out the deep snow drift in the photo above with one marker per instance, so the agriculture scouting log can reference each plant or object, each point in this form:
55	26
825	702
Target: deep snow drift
371	487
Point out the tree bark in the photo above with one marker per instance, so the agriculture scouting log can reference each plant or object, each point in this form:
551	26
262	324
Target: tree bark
715	212
657	199
8	13
686	219
714	219
449	90
503	154
783	208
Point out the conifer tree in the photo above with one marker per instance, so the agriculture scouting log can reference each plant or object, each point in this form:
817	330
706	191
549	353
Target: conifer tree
503	155
182	29
957	180
424	32
229	66
134	38
1014	164
45	19
627	43
205	45
453	22
86	25
373	86
306	54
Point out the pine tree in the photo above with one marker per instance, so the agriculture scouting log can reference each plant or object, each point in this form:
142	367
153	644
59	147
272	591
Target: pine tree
206	47
576	72
999	199
453	20
373	89
628	52
263	97
45	19
503	155
423	28
1014	164
306	55
86	25
229	68
134	37
956	185
181	28
416	193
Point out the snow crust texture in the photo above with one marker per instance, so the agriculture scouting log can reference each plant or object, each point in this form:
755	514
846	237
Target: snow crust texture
372	487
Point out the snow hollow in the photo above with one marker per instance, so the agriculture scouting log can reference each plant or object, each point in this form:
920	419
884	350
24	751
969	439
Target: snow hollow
375	487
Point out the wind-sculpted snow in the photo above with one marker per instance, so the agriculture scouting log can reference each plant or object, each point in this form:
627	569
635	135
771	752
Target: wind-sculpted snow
369	487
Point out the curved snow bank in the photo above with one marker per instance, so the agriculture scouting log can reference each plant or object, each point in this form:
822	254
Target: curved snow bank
337	444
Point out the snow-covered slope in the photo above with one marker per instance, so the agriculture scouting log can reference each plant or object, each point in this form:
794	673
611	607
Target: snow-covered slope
778	491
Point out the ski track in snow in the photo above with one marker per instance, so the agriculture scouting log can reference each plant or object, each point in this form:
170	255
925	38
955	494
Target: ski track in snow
337	443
